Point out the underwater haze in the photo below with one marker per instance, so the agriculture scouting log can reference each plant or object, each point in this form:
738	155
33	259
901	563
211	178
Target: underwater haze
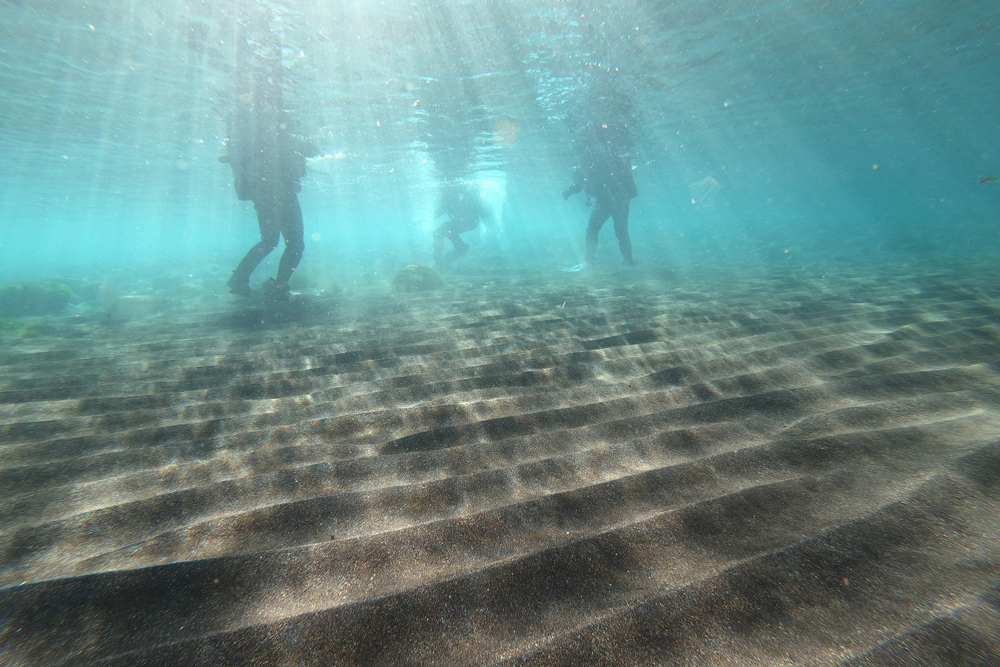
752	419
831	128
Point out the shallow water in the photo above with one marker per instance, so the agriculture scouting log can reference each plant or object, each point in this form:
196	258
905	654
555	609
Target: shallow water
773	441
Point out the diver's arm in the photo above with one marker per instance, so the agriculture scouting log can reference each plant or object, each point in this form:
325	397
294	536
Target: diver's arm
578	183
572	190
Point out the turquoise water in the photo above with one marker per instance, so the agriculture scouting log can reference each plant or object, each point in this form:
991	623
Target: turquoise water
773	442
114	112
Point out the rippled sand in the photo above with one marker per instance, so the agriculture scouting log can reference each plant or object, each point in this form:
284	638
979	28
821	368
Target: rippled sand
550	469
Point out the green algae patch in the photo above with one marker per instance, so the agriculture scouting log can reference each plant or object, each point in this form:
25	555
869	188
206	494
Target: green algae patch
42	297
417	278
12	329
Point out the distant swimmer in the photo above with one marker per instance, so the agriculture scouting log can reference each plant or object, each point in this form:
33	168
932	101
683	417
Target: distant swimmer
606	177
462	202
988	179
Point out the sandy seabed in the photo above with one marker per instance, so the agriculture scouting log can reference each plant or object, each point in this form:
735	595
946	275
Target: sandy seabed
755	468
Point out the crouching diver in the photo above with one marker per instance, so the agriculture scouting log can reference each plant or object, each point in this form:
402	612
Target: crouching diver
462	203
607	178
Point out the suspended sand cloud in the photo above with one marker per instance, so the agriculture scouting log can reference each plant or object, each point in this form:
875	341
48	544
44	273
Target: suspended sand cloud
704	192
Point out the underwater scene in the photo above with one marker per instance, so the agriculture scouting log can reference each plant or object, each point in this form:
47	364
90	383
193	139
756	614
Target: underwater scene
499	332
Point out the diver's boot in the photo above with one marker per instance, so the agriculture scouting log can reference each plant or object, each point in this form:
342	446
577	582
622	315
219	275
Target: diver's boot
274	291
459	251
239	285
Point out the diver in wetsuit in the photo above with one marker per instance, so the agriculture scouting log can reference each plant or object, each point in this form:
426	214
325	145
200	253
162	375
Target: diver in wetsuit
607	178
465	207
267	162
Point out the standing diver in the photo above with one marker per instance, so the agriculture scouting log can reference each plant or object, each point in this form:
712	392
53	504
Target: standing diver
267	160
462	202
604	175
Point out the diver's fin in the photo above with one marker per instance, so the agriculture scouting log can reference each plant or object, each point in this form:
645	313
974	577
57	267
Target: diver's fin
319	165
575	268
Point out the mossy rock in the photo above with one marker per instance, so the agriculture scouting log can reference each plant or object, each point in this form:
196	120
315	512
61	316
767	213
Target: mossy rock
11	329
43	297
417	278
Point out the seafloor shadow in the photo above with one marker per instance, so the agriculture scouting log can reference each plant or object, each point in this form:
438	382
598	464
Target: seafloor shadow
544	470
258	315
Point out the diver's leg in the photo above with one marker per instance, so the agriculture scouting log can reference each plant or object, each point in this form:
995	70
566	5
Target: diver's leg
239	282
460	227
439	235
461	247
621	232
598	217
292	230
467	225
